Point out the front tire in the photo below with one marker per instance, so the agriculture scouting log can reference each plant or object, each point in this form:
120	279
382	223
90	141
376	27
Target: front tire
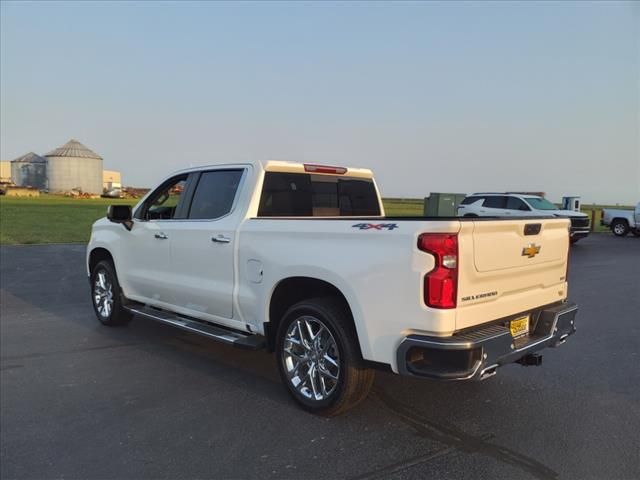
106	295
319	359
620	228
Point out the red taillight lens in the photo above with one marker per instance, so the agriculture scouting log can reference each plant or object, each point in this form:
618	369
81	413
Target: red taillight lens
313	168
441	283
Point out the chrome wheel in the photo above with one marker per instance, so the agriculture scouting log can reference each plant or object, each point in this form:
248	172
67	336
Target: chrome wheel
619	228
311	358
103	294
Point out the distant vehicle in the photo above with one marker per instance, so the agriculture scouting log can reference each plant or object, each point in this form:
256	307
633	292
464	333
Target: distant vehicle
301	259
622	222
522	205
114	193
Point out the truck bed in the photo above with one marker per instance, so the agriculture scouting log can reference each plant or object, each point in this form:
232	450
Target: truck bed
376	263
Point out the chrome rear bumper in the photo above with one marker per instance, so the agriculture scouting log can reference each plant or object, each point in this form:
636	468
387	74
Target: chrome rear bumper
476	354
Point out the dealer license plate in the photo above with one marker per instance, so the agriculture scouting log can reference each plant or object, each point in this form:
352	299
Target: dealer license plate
519	326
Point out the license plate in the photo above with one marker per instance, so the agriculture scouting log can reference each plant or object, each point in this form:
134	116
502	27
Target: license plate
519	326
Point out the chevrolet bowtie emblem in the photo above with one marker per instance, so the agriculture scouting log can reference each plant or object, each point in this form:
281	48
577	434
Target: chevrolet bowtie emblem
531	250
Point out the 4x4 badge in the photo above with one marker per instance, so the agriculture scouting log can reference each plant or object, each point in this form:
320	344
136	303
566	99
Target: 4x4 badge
375	226
531	250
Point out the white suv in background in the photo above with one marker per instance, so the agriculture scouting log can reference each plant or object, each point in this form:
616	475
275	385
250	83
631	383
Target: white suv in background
521	205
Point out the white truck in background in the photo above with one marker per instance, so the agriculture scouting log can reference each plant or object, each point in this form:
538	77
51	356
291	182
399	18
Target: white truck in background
300	259
622	222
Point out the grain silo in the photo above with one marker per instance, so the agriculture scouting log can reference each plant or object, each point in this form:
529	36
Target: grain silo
29	170
74	167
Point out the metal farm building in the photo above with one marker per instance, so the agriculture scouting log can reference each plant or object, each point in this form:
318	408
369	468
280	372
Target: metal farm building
5	171
30	170
74	167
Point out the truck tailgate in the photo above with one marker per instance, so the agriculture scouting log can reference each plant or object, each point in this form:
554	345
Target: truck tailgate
510	266
504	245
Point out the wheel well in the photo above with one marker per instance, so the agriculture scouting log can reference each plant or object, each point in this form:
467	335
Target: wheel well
97	255
293	290
622	219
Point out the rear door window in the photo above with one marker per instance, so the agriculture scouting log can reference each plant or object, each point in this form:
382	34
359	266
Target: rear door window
495	201
215	193
306	195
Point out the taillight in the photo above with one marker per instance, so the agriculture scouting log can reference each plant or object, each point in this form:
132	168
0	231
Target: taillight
441	283
313	168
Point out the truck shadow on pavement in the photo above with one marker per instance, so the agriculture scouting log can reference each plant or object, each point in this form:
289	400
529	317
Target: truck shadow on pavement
453	439
257	371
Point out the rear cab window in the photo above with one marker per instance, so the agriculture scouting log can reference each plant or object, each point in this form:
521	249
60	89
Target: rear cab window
287	194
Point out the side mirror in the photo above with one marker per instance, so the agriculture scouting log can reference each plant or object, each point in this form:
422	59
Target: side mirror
120	214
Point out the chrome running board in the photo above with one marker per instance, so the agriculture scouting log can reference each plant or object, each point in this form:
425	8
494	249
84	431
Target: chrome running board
231	337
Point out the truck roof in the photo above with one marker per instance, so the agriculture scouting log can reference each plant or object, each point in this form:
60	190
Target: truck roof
289	167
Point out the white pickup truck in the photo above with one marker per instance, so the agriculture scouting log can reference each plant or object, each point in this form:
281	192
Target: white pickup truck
300	259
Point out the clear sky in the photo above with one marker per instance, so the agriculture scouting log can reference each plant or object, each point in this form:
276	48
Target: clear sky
453	97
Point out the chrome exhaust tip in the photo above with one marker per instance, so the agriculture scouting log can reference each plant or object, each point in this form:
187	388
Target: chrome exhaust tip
488	372
561	340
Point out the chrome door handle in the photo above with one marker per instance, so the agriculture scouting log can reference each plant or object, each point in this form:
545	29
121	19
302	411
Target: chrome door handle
220	239
161	236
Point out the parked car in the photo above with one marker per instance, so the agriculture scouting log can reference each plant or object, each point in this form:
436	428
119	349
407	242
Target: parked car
522	205
113	193
300	259
622	222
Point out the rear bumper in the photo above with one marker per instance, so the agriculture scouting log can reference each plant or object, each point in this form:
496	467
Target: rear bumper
476	354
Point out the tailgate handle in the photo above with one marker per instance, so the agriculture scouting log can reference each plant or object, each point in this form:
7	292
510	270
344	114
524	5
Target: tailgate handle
532	228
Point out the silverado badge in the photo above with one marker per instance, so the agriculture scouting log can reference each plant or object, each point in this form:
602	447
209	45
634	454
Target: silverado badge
531	250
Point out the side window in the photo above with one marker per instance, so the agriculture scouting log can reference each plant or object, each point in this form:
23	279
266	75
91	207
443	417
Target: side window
495	201
514	203
469	200
163	203
215	193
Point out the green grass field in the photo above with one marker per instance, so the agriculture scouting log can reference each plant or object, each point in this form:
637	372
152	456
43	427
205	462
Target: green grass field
56	219
50	219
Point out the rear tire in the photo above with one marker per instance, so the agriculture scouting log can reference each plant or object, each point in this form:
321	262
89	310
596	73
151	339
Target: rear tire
620	227
318	357
106	296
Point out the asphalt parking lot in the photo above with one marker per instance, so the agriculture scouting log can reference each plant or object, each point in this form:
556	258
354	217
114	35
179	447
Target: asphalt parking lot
79	400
